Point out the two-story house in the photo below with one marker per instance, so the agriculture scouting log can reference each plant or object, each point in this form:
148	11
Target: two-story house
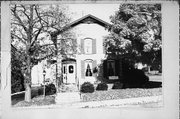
90	63
91	54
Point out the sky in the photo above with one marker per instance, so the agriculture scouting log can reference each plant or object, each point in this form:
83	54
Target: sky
102	11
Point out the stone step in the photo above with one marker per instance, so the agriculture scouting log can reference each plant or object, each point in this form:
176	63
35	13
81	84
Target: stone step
68	88
67	97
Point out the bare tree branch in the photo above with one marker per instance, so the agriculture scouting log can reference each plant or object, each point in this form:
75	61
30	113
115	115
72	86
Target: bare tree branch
18	18
36	36
24	11
19	38
40	59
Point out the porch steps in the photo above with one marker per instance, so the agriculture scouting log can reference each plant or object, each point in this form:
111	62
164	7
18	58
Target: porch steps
67	97
68	94
68	88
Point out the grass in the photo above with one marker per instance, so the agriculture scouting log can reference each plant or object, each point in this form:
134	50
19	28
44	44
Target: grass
20	97
18	100
37	101
153	88
120	94
96	96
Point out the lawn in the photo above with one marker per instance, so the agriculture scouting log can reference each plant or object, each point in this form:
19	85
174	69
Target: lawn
154	89
155	78
37	101
20	97
95	96
120	94
18	100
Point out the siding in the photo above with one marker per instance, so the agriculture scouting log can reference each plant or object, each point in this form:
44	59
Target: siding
93	46
82	69
82	46
94	64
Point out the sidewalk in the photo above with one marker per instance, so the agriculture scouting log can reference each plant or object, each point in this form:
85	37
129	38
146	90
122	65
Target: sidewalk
156	101
117	103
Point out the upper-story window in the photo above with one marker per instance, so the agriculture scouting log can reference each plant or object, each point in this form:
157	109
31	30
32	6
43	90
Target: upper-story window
88	46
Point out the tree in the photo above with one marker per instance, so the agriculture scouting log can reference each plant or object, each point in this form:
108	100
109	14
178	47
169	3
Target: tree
136	33
31	26
55	18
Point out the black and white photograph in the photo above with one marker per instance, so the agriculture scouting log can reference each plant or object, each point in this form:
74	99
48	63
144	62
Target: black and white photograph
109	55
63	59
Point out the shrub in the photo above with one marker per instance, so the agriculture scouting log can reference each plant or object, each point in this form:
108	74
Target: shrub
40	91
87	87
50	89
132	77
136	78
117	85
102	86
17	78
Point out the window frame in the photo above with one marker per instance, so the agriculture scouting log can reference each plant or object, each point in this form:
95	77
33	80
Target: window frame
69	71
90	47
90	62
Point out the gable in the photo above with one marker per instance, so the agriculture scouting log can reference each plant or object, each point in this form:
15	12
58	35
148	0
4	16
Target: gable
88	19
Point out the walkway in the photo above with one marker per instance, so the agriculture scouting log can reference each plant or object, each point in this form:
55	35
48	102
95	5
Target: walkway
147	102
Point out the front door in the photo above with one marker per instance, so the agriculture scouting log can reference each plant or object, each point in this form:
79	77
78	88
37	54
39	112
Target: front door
69	73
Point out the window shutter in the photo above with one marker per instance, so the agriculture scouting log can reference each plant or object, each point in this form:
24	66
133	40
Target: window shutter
94	46
82	69
82	46
105	68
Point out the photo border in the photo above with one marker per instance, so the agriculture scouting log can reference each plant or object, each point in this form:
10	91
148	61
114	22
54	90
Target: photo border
170	69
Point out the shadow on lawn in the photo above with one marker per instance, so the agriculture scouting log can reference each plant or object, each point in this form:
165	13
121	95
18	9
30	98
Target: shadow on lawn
36	92
20	97
153	84
135	78
147	85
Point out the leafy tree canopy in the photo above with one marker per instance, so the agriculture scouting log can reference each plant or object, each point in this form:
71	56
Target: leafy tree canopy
136	33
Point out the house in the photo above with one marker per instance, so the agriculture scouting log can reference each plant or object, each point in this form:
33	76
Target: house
90	63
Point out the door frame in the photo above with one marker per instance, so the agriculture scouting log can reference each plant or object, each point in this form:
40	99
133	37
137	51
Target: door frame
66	63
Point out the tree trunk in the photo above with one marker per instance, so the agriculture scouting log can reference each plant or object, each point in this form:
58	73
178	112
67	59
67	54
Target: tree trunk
54	39
28	80
29	67
28	92
57	82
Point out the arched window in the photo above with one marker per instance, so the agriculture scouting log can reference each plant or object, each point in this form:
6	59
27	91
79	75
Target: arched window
88	46
88	68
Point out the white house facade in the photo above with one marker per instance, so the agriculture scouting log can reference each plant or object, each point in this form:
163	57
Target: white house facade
84	66
91	31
